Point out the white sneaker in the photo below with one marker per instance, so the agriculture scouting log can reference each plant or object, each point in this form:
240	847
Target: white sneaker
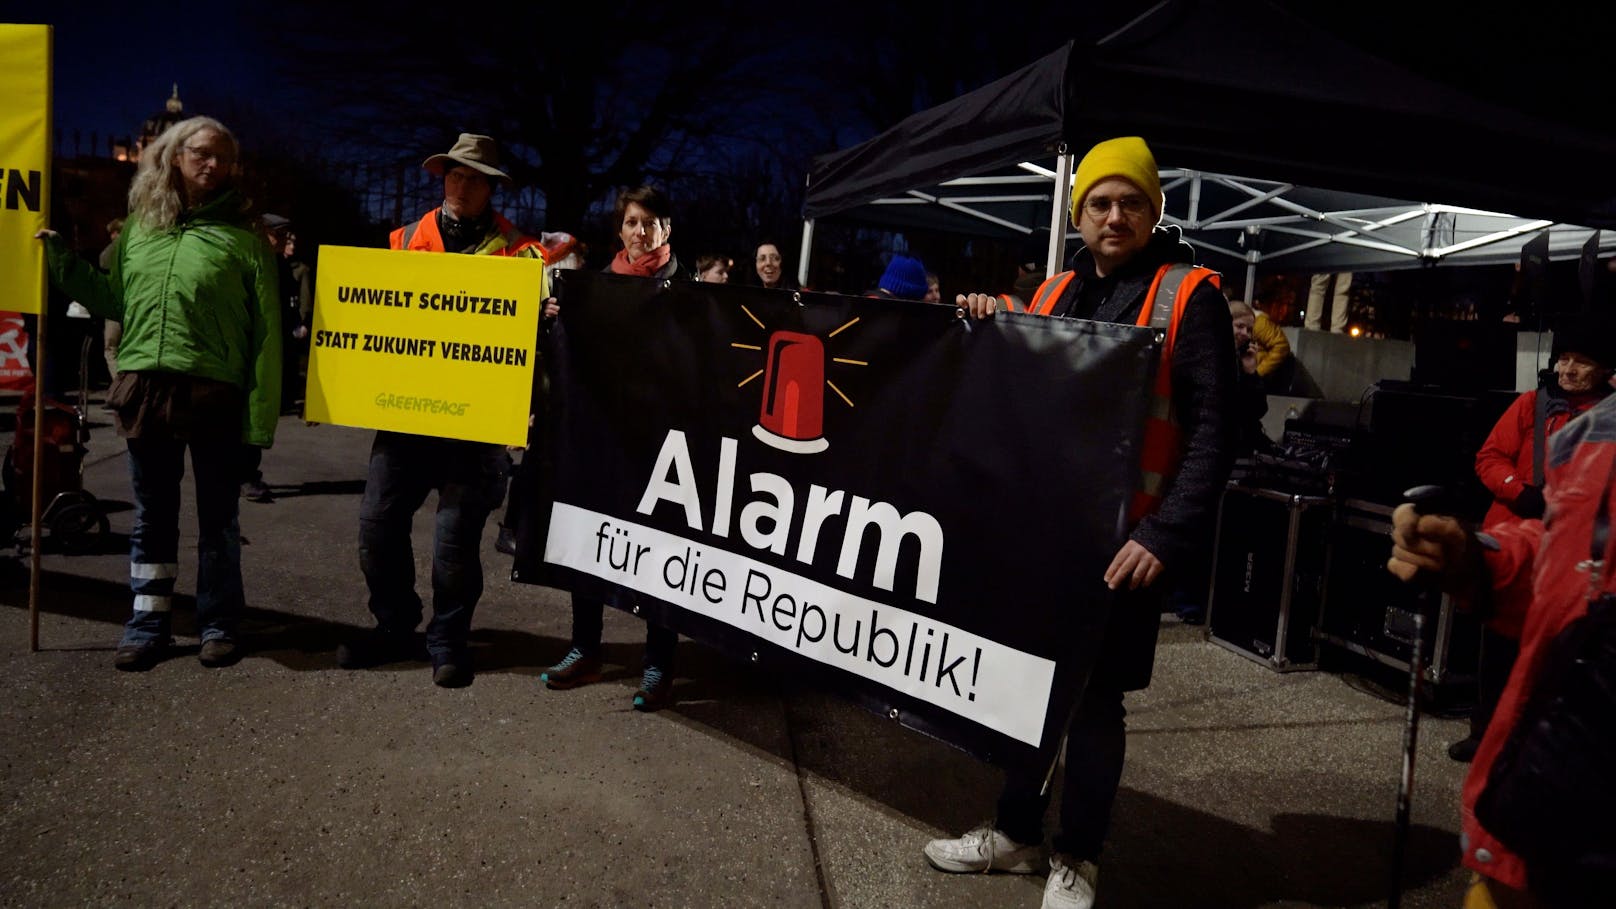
1071	885
984	849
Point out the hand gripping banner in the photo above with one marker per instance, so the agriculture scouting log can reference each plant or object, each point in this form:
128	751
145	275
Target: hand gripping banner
913	509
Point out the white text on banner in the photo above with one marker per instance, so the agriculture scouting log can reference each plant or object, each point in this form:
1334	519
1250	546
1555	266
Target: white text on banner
981	680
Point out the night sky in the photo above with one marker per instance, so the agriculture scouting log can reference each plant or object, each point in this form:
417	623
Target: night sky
115	62
114	69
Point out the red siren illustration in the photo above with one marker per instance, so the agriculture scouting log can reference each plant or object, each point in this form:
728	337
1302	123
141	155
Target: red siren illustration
793	414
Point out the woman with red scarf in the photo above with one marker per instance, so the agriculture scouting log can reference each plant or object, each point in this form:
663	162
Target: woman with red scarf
644	222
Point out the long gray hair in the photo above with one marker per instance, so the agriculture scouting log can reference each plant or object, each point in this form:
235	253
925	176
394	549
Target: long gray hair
157	196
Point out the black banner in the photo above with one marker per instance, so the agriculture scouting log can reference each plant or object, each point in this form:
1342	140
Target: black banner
910	507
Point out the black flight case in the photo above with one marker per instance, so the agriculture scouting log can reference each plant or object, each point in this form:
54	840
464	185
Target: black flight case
1371	613
1268	570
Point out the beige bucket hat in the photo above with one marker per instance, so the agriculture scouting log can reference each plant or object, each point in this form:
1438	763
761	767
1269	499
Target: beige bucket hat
476	152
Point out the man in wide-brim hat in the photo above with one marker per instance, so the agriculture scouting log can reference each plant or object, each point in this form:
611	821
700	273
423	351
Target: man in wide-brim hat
468	476
471	150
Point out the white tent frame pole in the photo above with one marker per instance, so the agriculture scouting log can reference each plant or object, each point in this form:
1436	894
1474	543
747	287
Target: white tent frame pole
1489	239
1444	208
927	199
1266	220
1429	227
1347	238
1175	184
1348	226
1323	238
1253	201
1057	213
996	181
1202	244
1026	197
806	249
967	210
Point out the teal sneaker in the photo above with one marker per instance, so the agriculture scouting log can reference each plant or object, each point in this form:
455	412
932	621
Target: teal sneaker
576	668
656	690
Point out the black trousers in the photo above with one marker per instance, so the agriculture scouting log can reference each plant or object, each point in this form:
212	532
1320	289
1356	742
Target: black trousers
588	617
1096	743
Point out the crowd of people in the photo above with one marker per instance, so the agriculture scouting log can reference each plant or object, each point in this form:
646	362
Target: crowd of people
213	307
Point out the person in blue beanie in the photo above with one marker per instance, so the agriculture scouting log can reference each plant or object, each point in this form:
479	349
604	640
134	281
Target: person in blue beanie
904	279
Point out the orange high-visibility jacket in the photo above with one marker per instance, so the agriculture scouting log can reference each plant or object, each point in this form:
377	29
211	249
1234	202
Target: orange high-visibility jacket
1163	445
505	240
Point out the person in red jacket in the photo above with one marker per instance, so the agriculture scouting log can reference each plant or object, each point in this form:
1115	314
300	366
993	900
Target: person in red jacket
1584	352
1540	580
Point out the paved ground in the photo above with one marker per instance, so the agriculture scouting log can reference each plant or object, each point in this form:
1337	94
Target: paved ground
287	781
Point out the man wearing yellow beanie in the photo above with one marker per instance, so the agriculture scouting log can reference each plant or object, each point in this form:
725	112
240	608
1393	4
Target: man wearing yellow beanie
1133	271
1128	159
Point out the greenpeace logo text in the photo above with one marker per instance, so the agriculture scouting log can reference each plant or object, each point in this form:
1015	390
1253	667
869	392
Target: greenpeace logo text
418	404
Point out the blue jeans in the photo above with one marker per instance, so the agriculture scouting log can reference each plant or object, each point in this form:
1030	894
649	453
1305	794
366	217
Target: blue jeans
156	467
470	480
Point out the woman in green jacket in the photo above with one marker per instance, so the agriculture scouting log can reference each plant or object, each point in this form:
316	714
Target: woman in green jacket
194	285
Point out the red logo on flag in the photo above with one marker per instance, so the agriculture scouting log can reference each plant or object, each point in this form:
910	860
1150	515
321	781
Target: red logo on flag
792	417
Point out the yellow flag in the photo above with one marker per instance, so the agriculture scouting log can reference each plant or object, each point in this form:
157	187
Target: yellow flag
25	71
425	343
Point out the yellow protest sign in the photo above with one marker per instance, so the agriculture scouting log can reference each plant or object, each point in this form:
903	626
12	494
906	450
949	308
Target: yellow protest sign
426	343
25	71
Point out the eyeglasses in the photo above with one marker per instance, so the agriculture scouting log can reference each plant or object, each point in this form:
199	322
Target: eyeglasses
1132	206
201	155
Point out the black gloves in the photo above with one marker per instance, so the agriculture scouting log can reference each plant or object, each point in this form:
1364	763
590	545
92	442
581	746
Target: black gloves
1529	504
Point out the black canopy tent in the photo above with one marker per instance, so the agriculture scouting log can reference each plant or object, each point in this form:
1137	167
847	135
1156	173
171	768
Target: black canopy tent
1219	88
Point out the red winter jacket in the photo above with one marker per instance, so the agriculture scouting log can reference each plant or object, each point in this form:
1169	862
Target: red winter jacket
1505	461
1535	576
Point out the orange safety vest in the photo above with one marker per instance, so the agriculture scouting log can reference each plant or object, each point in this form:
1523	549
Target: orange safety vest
1163	446
423	236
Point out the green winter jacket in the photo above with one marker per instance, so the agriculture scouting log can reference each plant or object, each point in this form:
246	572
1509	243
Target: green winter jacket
200	299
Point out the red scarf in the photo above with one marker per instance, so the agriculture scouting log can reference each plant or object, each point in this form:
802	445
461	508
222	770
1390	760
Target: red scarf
645	266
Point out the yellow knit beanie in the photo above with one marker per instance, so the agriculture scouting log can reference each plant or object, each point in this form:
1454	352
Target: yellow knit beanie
1129	158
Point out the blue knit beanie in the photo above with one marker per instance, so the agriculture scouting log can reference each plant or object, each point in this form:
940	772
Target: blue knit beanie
905	277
